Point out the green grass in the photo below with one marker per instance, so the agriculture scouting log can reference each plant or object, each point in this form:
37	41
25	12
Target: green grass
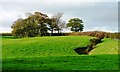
97	62
57	53
45	46
108	46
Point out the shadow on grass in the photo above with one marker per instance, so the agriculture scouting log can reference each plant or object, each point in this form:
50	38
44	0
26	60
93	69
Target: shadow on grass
60	71
8	37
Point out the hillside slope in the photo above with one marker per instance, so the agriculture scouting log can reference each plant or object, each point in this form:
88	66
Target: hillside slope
108	46
42	46
57	53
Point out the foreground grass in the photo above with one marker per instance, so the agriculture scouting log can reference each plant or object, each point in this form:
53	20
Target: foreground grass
57	53
95	62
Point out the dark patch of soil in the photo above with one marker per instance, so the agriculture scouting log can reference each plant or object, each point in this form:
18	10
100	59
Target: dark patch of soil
88	48
81	50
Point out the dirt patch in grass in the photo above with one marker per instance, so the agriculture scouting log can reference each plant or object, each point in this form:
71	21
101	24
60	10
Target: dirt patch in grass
88	48
81	50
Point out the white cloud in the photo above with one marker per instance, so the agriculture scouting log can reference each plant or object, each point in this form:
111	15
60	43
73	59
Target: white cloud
106	29
99	28
9	17
5	29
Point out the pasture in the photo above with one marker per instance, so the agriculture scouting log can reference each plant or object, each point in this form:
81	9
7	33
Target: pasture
57	53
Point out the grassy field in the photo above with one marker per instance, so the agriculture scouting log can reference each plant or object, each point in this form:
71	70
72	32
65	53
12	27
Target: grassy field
57	53
108	46
42	46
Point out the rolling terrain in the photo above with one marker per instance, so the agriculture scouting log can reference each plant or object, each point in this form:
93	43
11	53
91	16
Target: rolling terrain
57	53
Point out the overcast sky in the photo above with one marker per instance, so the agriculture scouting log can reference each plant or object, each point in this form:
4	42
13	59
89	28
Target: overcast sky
99	15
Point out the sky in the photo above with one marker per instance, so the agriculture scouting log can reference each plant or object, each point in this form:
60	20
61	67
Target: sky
100	15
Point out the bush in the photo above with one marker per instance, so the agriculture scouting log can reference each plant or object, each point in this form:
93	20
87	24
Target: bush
95	41
99	35
90	47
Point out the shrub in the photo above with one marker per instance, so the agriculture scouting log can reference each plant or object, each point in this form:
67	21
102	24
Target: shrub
90	47
95	41
99	35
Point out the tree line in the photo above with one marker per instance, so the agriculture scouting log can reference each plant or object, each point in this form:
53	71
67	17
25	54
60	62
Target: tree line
39	24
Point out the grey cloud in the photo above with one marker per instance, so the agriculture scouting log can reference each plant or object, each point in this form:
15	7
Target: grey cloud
100	14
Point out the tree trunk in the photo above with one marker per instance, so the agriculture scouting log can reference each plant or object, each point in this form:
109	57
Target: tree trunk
58	31
52	32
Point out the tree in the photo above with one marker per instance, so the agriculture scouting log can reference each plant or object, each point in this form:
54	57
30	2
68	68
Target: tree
18	27
56	23
75	24
61	25
51	25
41	20
35	24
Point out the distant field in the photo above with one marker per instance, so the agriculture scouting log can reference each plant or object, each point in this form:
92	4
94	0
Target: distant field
57	53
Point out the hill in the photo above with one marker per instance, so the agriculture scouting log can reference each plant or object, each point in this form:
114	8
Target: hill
108	46
43	46
57	53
